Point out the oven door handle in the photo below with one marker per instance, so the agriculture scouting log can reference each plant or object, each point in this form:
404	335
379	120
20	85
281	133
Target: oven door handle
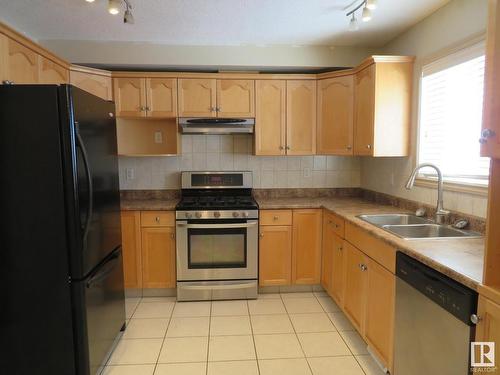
216	226
218	287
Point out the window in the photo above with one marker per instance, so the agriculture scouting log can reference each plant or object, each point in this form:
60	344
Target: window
451	115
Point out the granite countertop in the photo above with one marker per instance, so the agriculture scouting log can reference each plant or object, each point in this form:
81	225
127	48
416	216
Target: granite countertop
149	204
460	259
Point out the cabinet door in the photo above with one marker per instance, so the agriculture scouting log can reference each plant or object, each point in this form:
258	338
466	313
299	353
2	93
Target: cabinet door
364	111
197	97
270	120
327	255
490	137
130	97
22	63
131	246
379	315
51	73
488	328
306	246
338	270
355	285
158	257
301	117
98	85
335	116
275	255
161	94
235	98
4	52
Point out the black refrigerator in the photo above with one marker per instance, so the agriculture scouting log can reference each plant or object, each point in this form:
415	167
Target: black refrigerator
62	303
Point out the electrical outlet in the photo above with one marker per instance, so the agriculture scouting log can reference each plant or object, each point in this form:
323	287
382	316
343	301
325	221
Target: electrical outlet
130	173
307	172
158	137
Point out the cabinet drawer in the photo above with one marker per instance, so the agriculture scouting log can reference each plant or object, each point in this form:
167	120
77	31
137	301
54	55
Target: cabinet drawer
375	248
157	219
337	224
276	217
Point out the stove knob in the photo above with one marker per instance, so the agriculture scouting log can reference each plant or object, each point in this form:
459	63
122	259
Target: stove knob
245	214
198	214
216	214
236	214
189	215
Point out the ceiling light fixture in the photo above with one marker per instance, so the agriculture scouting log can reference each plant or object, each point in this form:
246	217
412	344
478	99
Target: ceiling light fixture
89	1
366	14
114	6
128	17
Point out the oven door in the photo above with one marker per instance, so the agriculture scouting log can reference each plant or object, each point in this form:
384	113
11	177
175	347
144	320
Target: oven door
216	250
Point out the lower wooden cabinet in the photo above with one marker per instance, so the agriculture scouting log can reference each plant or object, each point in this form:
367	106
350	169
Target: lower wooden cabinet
158	257
131	247
338	270
488	328
306	246
327	256
148	242
355	285
275	255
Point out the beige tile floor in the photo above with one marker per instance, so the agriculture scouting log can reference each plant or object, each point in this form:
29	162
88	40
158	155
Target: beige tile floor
288	333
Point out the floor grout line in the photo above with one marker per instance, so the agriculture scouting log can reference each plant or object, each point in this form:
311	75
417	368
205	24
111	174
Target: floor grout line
208	338
253	338
164	338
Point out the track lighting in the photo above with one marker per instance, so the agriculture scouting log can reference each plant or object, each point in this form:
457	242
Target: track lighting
114	6
89	1
366	14
128	16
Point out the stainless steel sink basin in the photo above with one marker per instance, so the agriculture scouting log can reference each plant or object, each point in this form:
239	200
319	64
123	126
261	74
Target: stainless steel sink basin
394	219
428	231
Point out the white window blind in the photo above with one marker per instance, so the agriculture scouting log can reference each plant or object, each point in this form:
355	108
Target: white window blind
451	115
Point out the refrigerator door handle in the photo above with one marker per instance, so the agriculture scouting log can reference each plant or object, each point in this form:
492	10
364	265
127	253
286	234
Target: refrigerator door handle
86	164
104	270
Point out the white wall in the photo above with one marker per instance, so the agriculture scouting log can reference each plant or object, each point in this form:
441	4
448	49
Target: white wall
457	21
151	55
228	152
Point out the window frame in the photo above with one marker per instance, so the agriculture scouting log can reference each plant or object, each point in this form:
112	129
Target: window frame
470	186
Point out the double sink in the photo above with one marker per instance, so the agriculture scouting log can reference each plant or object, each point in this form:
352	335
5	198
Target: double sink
414	227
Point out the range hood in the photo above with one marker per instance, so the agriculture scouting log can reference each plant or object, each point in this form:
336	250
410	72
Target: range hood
192	125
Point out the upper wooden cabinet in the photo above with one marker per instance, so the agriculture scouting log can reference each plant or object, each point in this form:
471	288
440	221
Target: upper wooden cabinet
235	98
270	117
301	117
21	65
145	97
335	116
306	246
490	137
382	107
99	85
50	72
197	97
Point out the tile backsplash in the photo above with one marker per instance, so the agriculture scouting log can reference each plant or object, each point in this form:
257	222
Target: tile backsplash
234	152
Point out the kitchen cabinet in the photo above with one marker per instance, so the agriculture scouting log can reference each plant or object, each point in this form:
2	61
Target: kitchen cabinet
490	135
3	58
98	84
21	65
158	257
335	116
327	255
338	270
275	255
382	107
270	117
131	247
355	285
145	97
197	97
306	246
379	313
236	98
50	72
300	117
488	327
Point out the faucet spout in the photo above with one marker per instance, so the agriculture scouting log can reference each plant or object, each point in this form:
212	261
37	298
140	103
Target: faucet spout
441	213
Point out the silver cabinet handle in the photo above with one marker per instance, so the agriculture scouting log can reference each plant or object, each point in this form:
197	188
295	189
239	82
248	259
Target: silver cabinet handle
148	109
349	147
218	109
475	319
368	146
288	147
157	219
275	218
172	236
340	248
487	133
216	226
7	82
362	267
261	235
217	287
282	148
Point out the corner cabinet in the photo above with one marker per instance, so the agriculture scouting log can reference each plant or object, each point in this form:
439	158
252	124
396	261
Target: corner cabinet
335	116
98	83
382	106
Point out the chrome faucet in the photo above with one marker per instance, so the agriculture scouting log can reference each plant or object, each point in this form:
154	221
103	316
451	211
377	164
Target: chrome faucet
441	213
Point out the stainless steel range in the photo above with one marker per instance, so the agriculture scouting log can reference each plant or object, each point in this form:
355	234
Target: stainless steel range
217	223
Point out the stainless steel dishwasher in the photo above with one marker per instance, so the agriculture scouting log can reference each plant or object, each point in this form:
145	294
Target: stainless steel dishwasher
433	327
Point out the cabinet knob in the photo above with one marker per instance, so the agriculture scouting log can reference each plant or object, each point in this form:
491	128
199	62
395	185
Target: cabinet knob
483	140
148	109
282	148
288	147
7	82
262	234
172	236
475	319
213	109
349	147
218	109
275	218
340	248
157	219
362	267
368	146
487	133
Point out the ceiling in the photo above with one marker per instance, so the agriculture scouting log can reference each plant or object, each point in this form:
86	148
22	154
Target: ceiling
216	22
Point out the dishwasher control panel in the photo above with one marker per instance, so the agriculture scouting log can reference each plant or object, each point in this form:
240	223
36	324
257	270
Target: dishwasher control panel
452	296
